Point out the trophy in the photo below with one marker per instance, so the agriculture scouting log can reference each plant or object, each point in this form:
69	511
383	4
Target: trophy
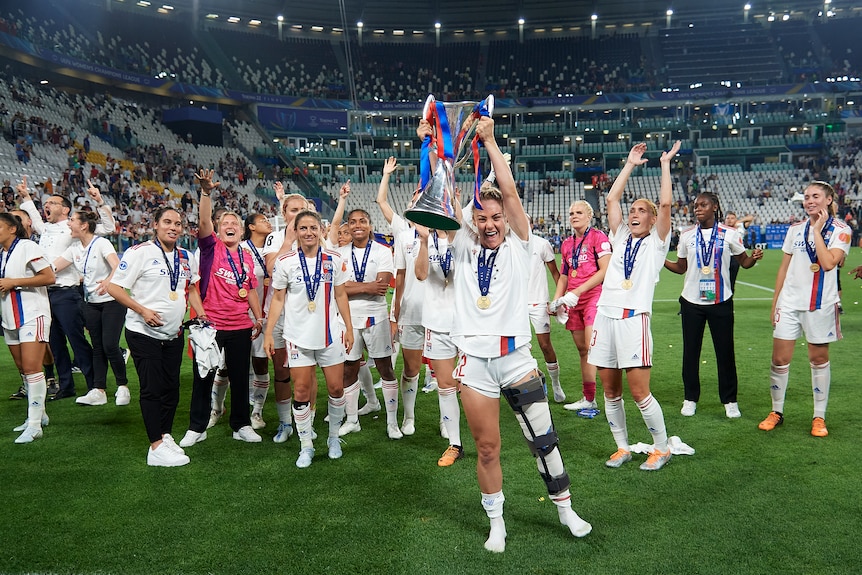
454	126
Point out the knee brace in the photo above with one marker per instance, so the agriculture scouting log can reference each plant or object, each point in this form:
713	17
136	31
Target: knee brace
521	397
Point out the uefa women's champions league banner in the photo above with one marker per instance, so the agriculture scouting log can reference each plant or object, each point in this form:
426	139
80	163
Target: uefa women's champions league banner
281	119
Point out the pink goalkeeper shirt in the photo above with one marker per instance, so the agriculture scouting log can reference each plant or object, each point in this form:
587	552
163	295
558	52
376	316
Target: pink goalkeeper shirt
222	302
595	245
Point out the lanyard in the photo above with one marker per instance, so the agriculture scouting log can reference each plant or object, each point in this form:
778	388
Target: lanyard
258	257
629	257
706	251
359	272
174	272
8	255
445	263
311	283
810	246
239	275
577	255
486	270
87	257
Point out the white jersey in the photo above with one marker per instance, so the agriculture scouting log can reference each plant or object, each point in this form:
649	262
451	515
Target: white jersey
617	302
541	252
406	250
398	225
91	261
504	325
304	327
145	274
438	305
22	305
264	291
367	310
55	238
714	287
804	289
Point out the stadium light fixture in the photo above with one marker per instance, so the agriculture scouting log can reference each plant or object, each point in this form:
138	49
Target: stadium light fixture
521	21
280	18
233	19
436	25
594	17
360	24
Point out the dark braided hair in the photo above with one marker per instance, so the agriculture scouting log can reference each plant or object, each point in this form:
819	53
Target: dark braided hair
713	197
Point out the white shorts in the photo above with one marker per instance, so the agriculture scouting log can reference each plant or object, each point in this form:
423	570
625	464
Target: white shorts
489	375
411	336
621	343
333	354
819	326
277	335
539	317
438	345
36	330
377	339
257	343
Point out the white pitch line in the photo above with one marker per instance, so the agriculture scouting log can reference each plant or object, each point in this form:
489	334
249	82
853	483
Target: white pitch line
734	299
770	290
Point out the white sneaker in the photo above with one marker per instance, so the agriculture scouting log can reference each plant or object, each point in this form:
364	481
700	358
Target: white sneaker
285	430
257	421
408	427
369	407
123	396
688	408
95	396
444	432
348	427
247	434
581	404
334	445
732	410
214	417
169	439
393	432
379	384
23	426
29	435
192	437
305	457
164	456
430	386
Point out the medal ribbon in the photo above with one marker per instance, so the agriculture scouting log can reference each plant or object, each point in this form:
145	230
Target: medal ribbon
445	263
8	255
240	279
174	272
810	246
486	270
706	252
577	255
481	109
258	257
311	283
359	273
629	256
87	257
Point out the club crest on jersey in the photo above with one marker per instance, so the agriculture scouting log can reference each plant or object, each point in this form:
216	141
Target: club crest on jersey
124	265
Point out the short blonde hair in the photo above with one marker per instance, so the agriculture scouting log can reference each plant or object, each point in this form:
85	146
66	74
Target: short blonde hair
586	205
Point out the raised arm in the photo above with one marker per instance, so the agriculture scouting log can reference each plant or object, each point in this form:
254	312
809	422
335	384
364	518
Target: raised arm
422	266
205	206
27	204
515	214
665	197
339	213
615	211
107	225
383	191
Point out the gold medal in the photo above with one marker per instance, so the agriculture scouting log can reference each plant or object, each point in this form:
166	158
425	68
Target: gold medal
815	268
626	284
242	292
312	306
573	273
484	302
174	296
266	281
706	270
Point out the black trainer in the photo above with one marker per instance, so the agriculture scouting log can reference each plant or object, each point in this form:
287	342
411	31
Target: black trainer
20	394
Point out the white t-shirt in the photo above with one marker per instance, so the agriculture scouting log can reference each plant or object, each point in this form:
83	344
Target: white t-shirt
305	328
541	252
367	307
264	292
438	305
804	289
406	249
91	261
22	305
715	287
145	274
616	302
505	325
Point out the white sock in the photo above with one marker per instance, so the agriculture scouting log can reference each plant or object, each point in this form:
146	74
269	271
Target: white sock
367	384
351	405
654	419
304	418
390	398
616	416
37	389
409	387
577	526
778	377
821	377
220	385
335	410
450	413
260	389
493	504
283	407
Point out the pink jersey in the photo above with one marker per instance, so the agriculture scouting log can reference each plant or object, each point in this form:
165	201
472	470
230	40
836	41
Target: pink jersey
595	245
225	308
